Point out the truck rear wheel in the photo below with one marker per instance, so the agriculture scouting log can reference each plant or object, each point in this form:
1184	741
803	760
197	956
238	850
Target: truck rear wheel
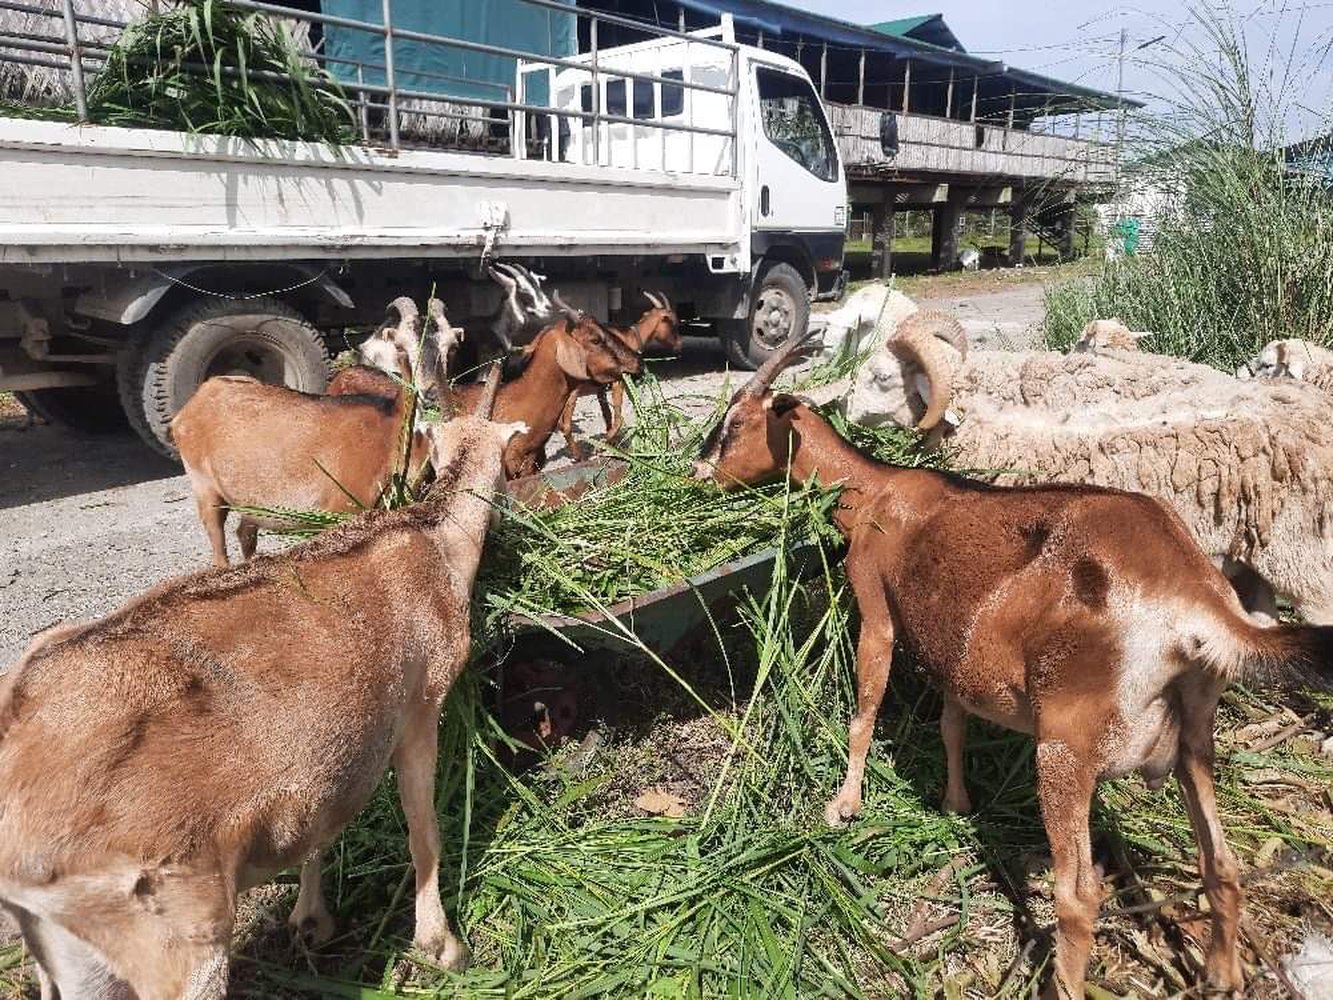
92	409
263	338
779	307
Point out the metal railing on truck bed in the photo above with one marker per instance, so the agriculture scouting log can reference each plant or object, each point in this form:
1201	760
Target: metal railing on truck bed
380	108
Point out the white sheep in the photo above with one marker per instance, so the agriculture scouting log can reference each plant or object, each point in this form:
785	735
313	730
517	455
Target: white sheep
1101	335
865	320
1248	465
1295	359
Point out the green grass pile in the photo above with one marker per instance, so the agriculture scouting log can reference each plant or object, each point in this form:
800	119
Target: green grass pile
209	67
564	887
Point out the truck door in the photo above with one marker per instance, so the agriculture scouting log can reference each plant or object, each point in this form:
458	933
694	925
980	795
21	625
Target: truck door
798	187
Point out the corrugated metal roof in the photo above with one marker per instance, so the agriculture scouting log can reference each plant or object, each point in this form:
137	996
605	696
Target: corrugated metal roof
929	28
779	19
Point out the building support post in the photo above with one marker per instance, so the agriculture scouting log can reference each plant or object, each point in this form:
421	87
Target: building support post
907	84
823	71
1066	230
944	224
976	82
861	81
881	242
1018	211
948	98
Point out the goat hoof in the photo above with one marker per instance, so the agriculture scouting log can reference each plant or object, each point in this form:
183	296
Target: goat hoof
959	806
1224	979
841	810
313	929
447	951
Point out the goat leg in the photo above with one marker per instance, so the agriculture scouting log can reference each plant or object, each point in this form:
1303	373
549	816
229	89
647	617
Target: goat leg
1065	783
415	760
213	513
874	656
247	534
613	414
1221	878
310	917
567	427
953	729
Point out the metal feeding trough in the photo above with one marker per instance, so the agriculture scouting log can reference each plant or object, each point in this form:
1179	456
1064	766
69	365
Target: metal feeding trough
660	618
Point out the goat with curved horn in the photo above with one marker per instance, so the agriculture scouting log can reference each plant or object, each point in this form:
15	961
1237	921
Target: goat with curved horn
570	313
486	405
777	361
405	308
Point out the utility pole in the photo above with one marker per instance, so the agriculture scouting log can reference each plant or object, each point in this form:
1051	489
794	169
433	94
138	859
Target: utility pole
1120	99
1120	125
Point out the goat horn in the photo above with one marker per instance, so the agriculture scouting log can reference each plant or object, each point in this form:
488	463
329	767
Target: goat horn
939	324
486	406
917	342
571	314
657	303
777	361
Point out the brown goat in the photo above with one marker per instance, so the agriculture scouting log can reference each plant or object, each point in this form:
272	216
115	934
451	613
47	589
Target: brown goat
159	761
251	445
566	356
1085	616
658	326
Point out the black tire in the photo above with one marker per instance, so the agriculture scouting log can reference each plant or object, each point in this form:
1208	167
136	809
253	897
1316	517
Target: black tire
779	306
91	409
263	337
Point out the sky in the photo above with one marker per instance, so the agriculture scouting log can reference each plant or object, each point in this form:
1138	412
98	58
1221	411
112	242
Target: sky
1289	44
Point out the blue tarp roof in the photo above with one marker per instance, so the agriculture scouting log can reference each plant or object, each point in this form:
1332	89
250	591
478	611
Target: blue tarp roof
439	69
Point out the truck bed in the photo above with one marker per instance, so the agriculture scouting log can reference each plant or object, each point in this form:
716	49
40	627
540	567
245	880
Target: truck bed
83	193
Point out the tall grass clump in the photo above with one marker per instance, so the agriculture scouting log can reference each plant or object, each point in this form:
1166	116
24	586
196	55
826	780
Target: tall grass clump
210	67
1244	252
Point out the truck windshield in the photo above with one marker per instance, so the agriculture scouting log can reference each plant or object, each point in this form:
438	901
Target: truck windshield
794	122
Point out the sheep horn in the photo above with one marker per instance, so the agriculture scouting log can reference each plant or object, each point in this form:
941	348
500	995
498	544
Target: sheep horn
486	406
942	325
915	341
571	314
776	362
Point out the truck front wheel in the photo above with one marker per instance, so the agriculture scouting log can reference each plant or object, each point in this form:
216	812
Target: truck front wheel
779	306
263	338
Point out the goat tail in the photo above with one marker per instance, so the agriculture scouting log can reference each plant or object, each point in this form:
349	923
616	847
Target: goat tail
1284	656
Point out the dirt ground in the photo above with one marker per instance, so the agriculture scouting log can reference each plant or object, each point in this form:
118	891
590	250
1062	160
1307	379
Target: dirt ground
87	522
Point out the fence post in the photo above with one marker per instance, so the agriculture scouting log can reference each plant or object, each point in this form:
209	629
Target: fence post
389	78
362	112
596	95
75	60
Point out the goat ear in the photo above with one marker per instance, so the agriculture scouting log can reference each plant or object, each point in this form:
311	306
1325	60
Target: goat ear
569	355
509	431
782	403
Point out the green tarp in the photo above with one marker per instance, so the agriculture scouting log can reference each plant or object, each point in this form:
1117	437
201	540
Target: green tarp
445	70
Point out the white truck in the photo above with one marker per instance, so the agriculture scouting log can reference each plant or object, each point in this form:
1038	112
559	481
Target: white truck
136	263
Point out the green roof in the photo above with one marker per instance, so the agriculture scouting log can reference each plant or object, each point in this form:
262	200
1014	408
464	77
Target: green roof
902	27
928	28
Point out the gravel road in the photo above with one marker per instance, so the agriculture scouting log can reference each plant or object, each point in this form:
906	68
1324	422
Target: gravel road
88	522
